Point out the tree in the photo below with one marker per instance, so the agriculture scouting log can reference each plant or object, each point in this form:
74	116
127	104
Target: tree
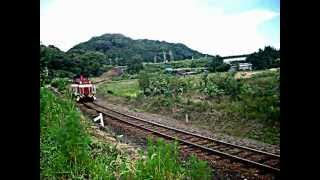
91	62
264	59
135	64
223	67
193	64
214	63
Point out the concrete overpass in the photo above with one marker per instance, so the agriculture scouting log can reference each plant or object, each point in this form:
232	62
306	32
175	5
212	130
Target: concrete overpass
227	59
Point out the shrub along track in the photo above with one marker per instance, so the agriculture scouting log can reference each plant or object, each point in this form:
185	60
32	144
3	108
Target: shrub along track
224	156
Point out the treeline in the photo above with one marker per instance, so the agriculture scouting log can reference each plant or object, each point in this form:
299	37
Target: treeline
266	58
99	54
56	63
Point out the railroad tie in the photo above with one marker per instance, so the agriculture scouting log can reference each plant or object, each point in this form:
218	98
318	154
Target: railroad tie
202	143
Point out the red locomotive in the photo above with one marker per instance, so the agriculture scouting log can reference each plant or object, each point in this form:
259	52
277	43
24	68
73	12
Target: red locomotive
83	89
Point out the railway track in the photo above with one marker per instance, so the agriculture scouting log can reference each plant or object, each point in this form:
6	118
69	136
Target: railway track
264	161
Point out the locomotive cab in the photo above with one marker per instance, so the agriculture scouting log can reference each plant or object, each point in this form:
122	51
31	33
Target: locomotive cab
83	89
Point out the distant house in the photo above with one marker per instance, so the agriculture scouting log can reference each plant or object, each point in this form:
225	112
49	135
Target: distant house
245	66
241	67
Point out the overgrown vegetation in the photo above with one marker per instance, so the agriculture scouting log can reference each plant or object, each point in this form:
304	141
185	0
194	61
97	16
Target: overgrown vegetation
61	84
248	107
68	152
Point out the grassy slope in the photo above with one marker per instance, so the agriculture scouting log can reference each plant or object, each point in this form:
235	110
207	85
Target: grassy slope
219	116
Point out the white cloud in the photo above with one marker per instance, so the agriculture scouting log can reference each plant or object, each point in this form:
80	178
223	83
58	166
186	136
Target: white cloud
209	30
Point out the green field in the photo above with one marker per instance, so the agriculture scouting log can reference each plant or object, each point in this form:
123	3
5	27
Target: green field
125	88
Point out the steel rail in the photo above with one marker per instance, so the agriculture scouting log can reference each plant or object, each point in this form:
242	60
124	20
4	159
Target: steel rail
193	134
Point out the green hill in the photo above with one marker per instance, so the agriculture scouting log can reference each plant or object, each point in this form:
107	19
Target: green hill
120	49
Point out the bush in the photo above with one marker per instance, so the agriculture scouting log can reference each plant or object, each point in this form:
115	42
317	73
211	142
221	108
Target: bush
214	63
60	84
161	84
261	95
218	85
223	67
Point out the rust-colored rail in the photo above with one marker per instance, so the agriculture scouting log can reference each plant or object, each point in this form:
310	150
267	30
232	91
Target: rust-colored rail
252	157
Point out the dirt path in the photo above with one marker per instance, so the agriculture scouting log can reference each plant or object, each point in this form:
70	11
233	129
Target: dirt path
188	127
107	76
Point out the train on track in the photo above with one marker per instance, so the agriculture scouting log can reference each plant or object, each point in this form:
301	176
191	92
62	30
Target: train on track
83	89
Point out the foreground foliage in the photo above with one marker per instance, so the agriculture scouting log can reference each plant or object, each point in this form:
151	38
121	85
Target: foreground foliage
65	144
68	152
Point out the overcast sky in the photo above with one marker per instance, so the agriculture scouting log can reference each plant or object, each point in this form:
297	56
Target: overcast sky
224	27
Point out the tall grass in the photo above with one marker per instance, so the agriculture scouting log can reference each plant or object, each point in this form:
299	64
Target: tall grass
66	147
162	162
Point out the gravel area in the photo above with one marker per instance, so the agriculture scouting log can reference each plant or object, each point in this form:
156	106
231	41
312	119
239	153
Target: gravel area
190	128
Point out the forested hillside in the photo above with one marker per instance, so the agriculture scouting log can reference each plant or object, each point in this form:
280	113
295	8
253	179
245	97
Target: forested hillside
120	49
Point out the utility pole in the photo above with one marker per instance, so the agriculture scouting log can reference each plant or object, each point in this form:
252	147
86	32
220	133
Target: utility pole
171	55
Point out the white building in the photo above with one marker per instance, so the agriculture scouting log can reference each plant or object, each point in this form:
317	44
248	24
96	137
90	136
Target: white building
242	67
245	66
